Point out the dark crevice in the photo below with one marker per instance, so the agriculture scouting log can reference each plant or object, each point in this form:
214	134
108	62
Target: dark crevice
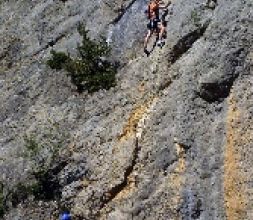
50	43
3	55
180	48
122	11
219	88
50	188
185	43
114	191
212	92
186	147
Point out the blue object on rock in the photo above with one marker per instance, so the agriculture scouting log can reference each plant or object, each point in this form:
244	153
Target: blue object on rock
65	216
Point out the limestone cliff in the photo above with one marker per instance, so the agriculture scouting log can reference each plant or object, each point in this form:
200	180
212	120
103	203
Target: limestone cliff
173	139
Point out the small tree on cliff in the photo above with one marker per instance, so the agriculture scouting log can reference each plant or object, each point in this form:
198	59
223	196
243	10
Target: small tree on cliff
91	70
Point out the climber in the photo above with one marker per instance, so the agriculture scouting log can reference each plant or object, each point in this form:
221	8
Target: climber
65	216
155	25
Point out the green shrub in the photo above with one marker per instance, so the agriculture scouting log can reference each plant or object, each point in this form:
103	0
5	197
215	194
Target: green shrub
91	71
11	197
31	145
195	17
58	60
43	150
22	191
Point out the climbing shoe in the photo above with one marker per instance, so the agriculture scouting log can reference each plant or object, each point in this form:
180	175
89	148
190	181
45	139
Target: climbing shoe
160	43
146	52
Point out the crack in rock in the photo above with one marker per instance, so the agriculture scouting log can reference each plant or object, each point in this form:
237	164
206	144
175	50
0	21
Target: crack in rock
138	127
122	11
215	86
50	43
185	43
118	188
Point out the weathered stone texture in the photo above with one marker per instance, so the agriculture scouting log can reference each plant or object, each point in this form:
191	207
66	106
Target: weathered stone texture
173	139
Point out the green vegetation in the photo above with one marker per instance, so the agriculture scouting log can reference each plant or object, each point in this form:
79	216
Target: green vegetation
31	146
195	18
58	60
11	196
44	151
91	71
22	191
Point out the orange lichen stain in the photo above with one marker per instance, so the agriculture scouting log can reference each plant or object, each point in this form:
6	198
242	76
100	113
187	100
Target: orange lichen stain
181	161
128	190
131	125
234	179
130	128
176	181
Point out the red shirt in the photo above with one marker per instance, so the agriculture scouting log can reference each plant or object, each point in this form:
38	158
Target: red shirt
153	10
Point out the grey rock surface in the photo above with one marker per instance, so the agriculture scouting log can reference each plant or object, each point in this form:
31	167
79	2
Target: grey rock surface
173	139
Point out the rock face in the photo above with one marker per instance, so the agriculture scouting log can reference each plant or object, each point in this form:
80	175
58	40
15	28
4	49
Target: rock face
173	139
